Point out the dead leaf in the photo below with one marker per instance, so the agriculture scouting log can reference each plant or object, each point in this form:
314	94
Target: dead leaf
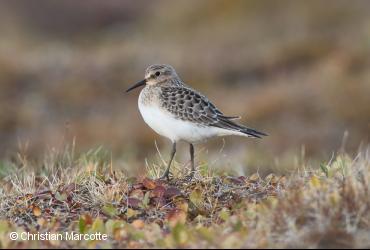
176	216
133	202
36	211
196	197
158	191
149	184
137	193
138	224
119	234
254	177
131	213
87	218
41	221
172	192
236	180
159	201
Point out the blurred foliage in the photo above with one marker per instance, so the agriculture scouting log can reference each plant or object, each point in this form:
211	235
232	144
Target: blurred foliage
296	70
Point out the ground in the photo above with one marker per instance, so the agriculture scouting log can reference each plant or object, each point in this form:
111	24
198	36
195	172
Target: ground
326	206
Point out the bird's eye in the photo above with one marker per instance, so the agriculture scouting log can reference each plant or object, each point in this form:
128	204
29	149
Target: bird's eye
157	73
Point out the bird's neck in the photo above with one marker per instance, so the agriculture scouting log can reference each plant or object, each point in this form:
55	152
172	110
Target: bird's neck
149	95
176	82
171	82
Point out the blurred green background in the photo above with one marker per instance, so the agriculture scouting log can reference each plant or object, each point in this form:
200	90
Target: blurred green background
298	70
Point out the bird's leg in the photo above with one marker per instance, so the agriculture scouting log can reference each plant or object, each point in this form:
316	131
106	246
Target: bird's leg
167	172
192	162
192	158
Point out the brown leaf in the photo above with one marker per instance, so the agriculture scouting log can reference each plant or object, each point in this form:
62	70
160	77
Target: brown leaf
137	193
172	192
36	211
242	178
158	191
149	184
41	222
236	180
133	202
138	224
159	201
87	218
176	216
119	234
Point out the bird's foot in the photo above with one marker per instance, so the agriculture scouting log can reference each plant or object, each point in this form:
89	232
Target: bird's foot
189	177
165	176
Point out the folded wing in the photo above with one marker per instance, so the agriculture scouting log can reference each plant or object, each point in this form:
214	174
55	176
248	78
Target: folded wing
189	105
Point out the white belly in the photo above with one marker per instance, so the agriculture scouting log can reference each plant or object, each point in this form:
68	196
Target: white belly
166	125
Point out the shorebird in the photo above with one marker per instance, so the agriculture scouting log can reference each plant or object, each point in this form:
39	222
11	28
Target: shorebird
180	113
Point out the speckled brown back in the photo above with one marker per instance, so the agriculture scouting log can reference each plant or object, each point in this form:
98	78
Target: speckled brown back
188	105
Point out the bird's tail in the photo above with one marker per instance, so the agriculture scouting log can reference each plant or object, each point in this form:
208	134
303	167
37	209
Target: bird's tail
252	133
242	130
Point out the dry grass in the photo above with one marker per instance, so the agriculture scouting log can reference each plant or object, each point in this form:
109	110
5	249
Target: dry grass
313	207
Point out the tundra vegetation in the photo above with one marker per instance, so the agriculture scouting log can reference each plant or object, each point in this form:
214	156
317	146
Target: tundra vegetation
314	206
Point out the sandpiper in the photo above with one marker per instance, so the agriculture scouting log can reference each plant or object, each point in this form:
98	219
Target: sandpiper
180	113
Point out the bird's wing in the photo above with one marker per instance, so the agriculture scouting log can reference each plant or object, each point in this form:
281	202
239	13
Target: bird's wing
188	105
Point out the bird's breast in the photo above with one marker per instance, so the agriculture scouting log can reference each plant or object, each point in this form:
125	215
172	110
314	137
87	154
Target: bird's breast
158	119
165	124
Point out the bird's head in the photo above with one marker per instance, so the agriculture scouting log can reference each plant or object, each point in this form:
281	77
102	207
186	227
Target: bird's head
158	74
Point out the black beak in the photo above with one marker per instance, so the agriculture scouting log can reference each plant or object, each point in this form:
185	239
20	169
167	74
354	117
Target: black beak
138	84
